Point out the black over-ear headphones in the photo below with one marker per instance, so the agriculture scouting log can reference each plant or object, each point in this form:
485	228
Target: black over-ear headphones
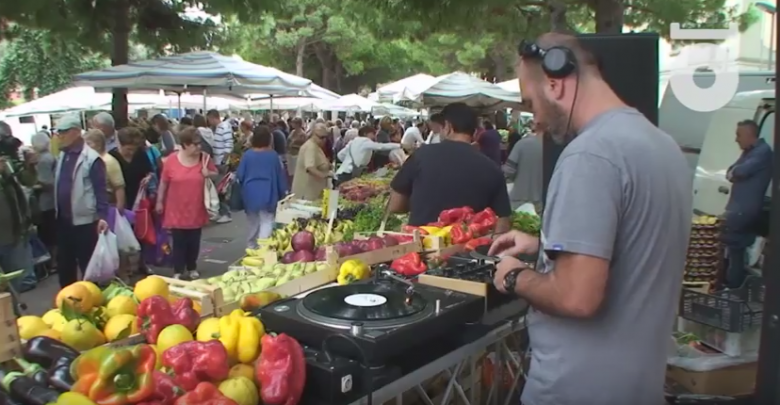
557	62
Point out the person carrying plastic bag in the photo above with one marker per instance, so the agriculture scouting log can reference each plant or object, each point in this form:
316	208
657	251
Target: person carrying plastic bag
104	263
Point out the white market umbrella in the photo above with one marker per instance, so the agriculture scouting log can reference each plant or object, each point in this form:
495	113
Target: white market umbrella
308	104
86	98
209	71
397	90
464	88
357	103
510	85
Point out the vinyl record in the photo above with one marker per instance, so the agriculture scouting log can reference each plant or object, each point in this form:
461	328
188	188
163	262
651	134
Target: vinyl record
363	302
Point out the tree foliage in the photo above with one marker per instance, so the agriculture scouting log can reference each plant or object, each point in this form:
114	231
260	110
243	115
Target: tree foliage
39	61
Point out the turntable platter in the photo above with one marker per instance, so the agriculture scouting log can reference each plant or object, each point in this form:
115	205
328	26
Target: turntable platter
363	302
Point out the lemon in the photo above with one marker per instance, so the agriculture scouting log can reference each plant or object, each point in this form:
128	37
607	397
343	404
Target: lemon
74	398
120	326
242	370
51	333
54	319
76	297
94	290
150	286
208	330
121	305
31	326
173	335
81	335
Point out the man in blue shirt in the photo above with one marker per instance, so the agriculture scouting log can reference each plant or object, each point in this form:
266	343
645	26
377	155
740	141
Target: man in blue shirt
749	176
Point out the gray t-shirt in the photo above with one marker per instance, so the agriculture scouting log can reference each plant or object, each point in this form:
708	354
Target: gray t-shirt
619	192
524	167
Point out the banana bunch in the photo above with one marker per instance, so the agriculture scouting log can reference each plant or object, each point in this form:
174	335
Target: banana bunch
252	261
325	199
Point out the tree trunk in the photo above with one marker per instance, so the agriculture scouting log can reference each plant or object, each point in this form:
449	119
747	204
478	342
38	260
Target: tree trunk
338	73
300	52
557	9
120	51
325	56
609	16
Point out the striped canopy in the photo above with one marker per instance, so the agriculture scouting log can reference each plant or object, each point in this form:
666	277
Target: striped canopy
465	88
215	73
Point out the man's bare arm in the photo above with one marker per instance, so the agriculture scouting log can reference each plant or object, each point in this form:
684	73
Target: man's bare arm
575	288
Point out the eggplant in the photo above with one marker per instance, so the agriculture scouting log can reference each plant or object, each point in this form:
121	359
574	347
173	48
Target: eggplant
34	371
60	378
45	351
5	399
25	390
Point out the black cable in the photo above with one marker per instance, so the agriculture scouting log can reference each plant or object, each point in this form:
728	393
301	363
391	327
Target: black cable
363	360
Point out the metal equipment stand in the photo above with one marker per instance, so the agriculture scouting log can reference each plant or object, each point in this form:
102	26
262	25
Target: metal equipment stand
452	365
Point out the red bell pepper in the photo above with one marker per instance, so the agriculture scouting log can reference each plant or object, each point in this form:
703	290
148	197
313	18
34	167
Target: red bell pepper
403	238
411	229
165	390
196	362
280	370
475	243
483	222
185	314
154	314
409	265
460	233
204	394
451	216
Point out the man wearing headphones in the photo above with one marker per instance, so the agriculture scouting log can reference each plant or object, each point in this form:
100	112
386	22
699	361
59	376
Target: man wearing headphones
614	235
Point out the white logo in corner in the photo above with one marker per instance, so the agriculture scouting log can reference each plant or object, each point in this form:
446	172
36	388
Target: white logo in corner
714	57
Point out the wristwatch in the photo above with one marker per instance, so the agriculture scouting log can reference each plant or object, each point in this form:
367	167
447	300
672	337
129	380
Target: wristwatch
510	279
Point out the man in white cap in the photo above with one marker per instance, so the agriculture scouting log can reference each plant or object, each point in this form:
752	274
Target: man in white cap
81	200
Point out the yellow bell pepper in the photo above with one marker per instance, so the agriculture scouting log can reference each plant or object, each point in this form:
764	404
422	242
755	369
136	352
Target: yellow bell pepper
229	331
251	330
351	271
432	230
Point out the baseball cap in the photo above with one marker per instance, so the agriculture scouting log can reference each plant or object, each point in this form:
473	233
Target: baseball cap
67	122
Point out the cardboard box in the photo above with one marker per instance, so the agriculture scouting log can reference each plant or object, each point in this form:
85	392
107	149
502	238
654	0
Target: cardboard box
730	381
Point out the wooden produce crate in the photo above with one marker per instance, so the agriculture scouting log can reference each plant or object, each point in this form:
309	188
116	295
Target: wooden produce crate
454	284
383	255
294	287
10	344
430	243
287	212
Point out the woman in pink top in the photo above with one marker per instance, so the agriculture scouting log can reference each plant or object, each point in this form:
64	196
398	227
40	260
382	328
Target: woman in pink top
180	201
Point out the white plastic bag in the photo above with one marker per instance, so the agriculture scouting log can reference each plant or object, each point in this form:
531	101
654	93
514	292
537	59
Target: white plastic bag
104	263
125	238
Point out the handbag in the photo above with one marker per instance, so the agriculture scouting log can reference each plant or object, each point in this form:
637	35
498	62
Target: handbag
143	226
210	196
235	196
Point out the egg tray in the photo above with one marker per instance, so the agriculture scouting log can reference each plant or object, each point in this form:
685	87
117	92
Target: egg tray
698	279
703	236
703	227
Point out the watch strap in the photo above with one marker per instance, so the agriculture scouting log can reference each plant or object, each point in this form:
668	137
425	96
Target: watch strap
510	279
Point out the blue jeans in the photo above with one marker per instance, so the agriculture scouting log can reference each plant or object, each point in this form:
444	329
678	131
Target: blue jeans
19	257
736	270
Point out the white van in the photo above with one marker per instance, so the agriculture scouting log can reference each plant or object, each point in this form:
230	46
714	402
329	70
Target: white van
689	127
719	150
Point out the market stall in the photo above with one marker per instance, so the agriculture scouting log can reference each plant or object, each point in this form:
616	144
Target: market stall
212	337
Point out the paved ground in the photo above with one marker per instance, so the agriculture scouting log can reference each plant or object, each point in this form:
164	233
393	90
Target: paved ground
221	246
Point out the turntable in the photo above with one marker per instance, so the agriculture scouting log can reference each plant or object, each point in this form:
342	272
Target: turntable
384	317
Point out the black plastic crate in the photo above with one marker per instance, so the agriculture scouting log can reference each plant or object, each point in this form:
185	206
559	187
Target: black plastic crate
732	310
